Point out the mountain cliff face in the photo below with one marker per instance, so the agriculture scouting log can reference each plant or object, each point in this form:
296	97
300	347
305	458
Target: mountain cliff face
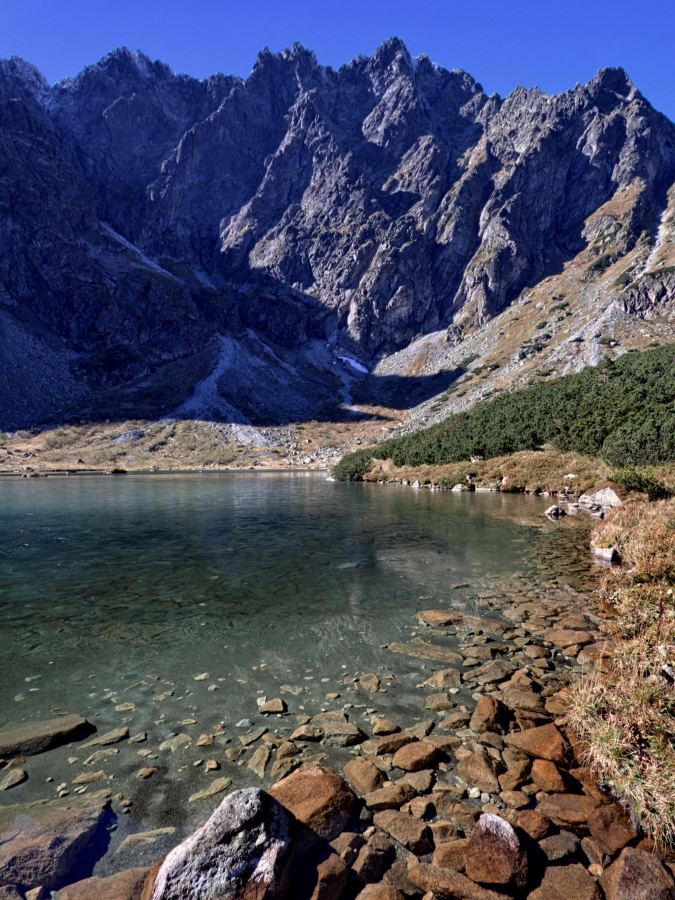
147	216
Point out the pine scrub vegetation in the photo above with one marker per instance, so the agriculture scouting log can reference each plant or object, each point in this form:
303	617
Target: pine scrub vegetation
622	411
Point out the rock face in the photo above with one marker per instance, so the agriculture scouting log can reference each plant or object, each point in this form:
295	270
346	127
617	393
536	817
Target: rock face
39	843
241	852
153	215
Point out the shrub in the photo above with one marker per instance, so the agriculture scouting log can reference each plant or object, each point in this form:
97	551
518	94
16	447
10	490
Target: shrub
642	483
353	466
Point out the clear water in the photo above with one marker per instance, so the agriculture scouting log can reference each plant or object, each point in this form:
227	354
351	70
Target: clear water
108	584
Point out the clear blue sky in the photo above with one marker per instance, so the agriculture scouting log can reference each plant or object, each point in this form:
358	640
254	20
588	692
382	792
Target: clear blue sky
502	44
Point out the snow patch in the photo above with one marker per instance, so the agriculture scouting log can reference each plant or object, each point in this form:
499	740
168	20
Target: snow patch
137	253
354	364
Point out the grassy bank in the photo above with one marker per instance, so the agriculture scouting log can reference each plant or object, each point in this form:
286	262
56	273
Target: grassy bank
626	716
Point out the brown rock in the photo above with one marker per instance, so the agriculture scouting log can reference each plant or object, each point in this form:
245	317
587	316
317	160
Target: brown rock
566	883
370	683
489	715
544	742
567	810
547	776
444	679
40	842
515	776
533	824
332	874
637	875
444	832
611	827
450	854
384	726
10	892
494	855
515	799
307	733
440	618
407	830
276	706
338	730
415	756
559	846
493	672
566	637
394	742
478	769
13	778
380	892
110	737
374	859
364	775
391	796
420	649
318	797
455	720
439	702
39	736
461	814
527	700
127	885
420	781
444	743
448	885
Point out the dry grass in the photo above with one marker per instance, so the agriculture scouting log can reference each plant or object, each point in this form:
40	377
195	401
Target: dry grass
626	718
529	470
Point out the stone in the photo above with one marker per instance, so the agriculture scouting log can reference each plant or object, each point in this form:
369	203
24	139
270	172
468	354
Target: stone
90	777
415	756
380	892
420	649
445	884
515	799
407	830
542	742
450	854
533	824
384	726
241	851
547	776
489	715
331	878
38	736
608	554
441	618
567	637
606	497
318	797
143	838
216	787
611	828
517	699
13	778
454	721
391	796
307	733
493	672
370	683
571	882
494	855
567	810
421	730
40	842
276	706
637	875
259	760
393	742
99	755
374	859
127	885
10	892
444	832
559	846
147	772
420	781
439	702
555	512
110	737
338	730
479	770
365	777
515	776
178	742
446	678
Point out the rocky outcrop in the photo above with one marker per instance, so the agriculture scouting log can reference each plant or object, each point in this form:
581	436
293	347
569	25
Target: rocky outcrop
143	214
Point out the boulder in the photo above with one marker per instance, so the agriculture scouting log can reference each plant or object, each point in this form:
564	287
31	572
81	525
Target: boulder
568	810
494	855
38	736
546	775
407	830
380	892
241	852
444	679
566	883
533	824
479	770
489	715
568	637
611	828
445	884
543	742
391	796
606	497
393	742
415	756
555	512
40	842
450	854
127	885
374	859
338	730
637	875
364	775
318	797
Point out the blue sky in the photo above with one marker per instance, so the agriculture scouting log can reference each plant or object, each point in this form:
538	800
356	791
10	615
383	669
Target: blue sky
502	44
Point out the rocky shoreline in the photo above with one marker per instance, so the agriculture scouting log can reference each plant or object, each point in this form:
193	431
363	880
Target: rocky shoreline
477	790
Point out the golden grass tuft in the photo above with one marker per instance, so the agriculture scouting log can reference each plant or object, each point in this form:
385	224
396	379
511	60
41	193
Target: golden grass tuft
626	717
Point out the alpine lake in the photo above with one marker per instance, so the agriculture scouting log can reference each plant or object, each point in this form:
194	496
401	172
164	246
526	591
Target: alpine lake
175	605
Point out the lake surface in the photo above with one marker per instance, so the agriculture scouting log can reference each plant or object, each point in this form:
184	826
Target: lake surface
114	587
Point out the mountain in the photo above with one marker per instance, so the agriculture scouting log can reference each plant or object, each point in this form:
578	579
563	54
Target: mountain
213	248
